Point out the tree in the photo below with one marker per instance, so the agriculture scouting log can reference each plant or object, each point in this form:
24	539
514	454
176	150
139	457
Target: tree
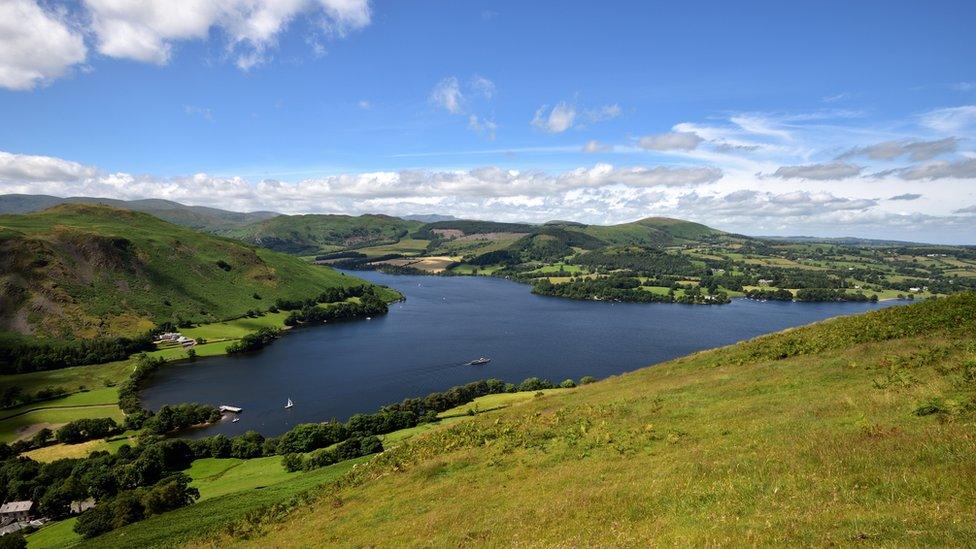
586	380
171	493
13	541
292	462
567	384
41	437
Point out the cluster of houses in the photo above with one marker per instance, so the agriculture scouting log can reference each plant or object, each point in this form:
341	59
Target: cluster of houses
18	515
176	337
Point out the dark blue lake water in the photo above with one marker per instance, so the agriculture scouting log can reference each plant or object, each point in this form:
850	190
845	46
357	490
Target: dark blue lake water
334	371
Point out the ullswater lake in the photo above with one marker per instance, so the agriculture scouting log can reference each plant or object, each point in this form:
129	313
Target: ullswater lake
422	345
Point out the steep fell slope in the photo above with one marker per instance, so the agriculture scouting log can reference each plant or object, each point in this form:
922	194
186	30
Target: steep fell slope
93	271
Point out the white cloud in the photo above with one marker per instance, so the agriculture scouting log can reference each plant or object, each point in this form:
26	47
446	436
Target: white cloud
594	146
364	104
906	196
950	120
761	125
960	169
36	45
966	210
447	94
23	167
915	149
482	85
604	113
482	126
671	141
558	120
820	172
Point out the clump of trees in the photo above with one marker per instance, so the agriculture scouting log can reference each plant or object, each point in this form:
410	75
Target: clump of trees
770	294
350	448
621	287
825	294
369	304
180	416
254	341
84	429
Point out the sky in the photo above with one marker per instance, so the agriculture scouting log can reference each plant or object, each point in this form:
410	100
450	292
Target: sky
763	118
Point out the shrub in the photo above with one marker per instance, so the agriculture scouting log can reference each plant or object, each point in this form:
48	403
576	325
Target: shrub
567	384
586	380
292	462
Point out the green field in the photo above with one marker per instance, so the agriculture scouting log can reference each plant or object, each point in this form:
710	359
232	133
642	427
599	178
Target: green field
853	430
217	477
489	403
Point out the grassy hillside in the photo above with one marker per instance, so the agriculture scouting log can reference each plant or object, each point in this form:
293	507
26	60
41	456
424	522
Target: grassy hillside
653	231
196	217
313	233
858	429
89	271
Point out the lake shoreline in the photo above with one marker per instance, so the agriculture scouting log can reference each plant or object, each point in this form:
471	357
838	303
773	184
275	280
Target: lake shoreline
421	345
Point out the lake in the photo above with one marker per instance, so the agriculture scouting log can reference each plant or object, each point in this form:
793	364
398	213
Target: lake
422	345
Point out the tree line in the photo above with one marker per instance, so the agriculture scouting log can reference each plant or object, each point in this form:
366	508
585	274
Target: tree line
35	356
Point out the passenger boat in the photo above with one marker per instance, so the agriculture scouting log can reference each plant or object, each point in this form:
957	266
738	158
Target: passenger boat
479	361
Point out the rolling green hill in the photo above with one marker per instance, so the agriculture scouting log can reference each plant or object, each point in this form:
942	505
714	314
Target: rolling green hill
195	217
653	231
313	233
854	430
80	271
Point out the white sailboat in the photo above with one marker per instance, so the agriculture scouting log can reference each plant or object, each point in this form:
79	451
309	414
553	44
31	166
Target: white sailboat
289	404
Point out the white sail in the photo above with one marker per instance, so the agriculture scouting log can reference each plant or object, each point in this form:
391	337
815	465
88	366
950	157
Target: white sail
290	404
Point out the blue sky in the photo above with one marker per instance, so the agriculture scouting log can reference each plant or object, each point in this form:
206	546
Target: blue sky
759	117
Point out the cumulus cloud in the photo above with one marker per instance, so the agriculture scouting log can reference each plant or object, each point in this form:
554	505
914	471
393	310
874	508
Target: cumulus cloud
906	196
951	119
556	120
24	167
36	45
966	210
820	172
756	204
41	174
916	150
671	141
146	30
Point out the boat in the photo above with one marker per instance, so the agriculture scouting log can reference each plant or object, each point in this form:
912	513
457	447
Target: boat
235	420
289	404
231	409
479	361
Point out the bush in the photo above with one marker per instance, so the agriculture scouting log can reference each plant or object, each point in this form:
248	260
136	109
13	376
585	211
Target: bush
535	384
292	462
567	384
586	380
